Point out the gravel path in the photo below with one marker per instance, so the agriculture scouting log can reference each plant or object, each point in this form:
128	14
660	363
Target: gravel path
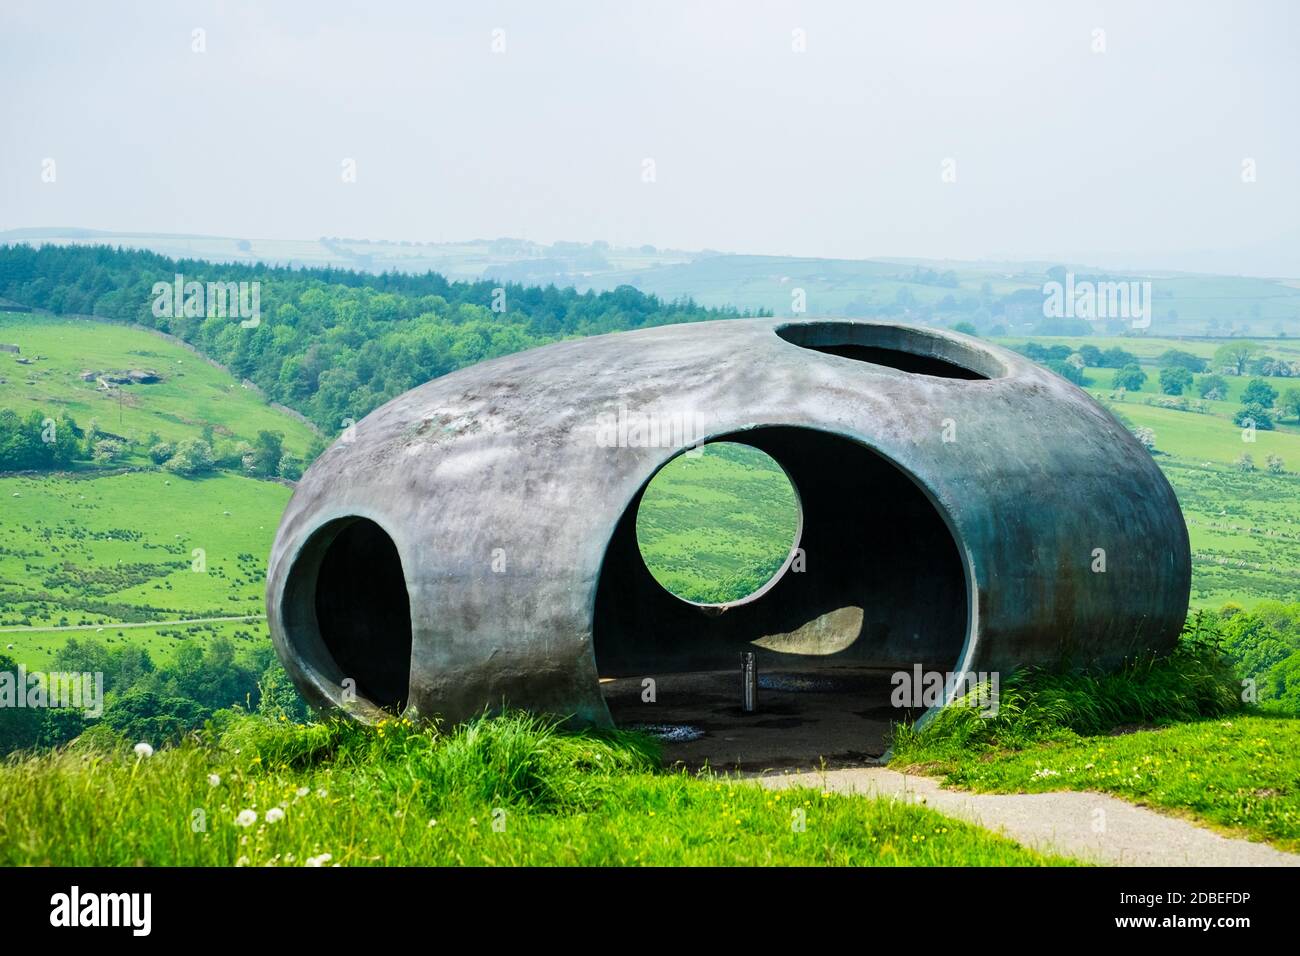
1086	826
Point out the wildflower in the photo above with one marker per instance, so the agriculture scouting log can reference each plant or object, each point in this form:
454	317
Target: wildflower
322	793
319	860
242	861
274	815
246	818
433	822
303	791
142	749
214	780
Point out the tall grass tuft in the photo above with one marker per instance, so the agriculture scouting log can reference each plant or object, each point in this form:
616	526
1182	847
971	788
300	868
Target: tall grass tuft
512	759
1036	704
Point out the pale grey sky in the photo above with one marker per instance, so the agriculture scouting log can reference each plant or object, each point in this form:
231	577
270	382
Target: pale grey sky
1132	156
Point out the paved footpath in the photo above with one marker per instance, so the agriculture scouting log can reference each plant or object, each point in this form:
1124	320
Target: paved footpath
1063	822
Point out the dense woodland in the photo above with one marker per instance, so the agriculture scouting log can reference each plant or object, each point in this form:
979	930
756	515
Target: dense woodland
331	343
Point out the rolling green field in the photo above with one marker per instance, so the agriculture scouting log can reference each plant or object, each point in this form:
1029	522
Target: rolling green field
96	551
191	395
716	526
1244	525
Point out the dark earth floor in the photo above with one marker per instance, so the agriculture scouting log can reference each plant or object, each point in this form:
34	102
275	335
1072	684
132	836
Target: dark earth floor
839	715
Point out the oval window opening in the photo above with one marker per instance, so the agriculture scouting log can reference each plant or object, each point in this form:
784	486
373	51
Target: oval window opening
719	526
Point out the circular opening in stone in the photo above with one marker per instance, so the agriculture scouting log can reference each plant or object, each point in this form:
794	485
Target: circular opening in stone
912	350
717	526
348	614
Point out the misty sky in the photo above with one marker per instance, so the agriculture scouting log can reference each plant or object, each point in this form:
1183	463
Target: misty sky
1131	157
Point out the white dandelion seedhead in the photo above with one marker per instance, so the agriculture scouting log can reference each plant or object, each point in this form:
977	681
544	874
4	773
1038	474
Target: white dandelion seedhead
274	815
246	818
143	749
214	780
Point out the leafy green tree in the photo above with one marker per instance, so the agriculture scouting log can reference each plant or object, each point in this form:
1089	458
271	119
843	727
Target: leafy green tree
1067	371
267	452
1289	404
1175	358
1235	355
1117	357
1256	416
20	727
1130	378
1212	387
1259	392
108	450
1175	378
37	442
193	456
154	719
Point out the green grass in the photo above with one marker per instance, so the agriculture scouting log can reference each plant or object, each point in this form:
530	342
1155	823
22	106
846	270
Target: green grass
1244	530
1199	438
1240	773
1037	704
716	526
502	791
39	649
121	548
1208	758
192	394
1150	348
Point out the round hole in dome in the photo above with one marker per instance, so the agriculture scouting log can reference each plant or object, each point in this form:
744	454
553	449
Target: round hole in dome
718	526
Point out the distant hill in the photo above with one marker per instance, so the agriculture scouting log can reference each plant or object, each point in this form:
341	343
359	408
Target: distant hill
331	343
994	297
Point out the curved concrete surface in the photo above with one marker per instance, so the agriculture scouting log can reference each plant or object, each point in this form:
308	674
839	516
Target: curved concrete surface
472	542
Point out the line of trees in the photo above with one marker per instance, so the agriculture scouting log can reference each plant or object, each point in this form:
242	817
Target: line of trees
144	701
39	443
331	343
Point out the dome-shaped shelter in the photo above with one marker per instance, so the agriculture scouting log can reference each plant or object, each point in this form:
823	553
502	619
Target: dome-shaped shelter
472	542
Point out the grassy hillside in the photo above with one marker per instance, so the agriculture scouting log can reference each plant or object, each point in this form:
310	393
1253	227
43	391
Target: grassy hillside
507	791
95	551
191	395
